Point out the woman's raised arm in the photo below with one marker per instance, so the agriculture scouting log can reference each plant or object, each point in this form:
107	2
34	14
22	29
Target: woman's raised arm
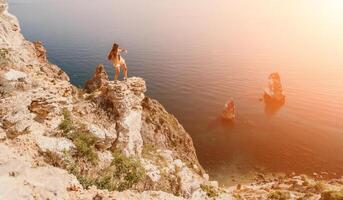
122	50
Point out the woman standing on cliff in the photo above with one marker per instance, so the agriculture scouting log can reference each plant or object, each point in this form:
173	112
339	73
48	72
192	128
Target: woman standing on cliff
118	61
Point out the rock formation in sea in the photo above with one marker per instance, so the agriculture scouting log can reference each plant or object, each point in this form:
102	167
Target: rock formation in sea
229	111
274	92
106	141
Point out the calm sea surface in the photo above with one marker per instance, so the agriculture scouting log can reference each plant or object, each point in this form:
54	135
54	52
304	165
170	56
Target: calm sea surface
195	55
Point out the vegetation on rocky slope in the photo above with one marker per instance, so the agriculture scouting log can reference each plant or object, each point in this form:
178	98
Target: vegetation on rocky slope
211	191
83	140
122	173
279	195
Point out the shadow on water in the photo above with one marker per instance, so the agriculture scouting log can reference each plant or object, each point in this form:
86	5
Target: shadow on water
220	123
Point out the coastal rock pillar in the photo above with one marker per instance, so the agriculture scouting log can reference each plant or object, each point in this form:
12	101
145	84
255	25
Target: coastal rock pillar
124	99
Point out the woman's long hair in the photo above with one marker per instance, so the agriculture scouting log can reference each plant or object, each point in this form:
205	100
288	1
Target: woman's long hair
114	52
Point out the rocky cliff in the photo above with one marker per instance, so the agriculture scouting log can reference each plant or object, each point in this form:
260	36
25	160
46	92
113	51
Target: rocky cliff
60	142
106	141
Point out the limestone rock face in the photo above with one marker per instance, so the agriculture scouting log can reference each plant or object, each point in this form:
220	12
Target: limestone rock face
99	79
105	137
165	132
124	100
124	96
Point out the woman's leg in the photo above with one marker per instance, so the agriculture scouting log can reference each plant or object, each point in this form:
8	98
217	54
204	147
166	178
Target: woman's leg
117	72
123	65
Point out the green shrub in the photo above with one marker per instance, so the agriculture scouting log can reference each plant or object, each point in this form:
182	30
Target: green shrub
123	173
85	146
210	190
83	140
279	195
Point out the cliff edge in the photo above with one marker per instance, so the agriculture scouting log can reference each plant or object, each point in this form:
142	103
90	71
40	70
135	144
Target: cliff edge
62	142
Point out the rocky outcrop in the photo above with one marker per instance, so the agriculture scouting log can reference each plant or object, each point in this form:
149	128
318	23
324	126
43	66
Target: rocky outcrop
229	112
99	79
274	91
123	99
